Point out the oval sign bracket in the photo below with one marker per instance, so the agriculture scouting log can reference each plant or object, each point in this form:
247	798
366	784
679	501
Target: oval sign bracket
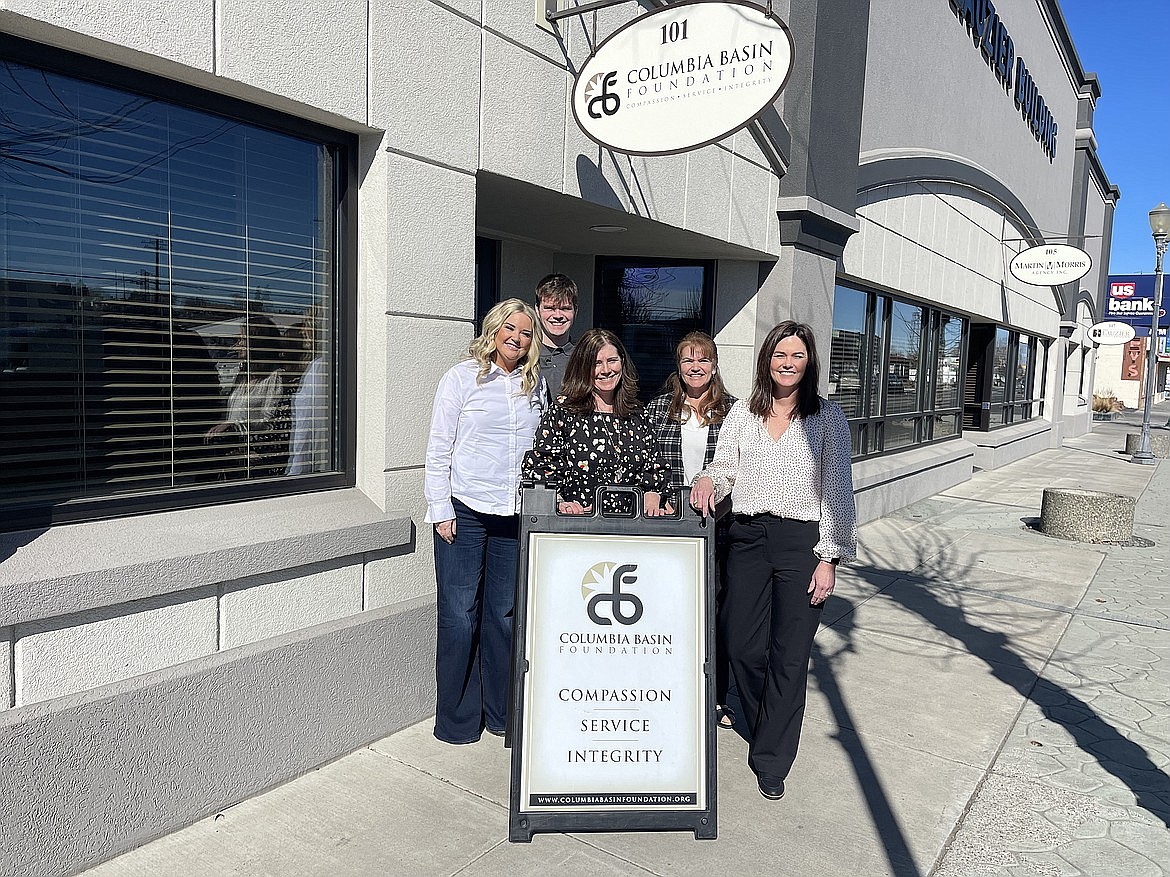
682	77
1050	265
551	13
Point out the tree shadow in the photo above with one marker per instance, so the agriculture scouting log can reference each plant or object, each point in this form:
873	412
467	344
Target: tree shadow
1092	733
10	543
885	820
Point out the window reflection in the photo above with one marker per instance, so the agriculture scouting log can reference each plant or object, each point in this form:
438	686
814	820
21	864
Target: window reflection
650	305
890	358
945	425
847	350
904	370
145	248
948	362
999	365
876	396
901	432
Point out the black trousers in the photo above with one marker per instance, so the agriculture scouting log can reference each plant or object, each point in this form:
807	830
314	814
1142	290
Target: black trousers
770	624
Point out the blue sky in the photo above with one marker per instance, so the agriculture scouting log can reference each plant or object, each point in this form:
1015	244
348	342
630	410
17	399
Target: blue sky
1124	42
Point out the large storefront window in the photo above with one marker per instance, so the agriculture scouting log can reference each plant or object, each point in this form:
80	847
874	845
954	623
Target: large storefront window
893	368
904	375
1000	376
651	304
170	308
847	352
1005	377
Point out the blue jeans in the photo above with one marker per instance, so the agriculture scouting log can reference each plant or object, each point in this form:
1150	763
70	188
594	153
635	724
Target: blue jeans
477	587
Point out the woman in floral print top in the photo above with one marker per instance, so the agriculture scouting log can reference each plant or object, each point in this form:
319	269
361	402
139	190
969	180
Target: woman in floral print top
594	436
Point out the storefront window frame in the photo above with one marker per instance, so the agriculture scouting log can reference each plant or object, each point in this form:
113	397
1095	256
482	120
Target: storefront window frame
870	429
1017	406
343	150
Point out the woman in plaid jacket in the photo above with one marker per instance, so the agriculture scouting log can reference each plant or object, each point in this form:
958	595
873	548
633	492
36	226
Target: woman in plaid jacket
685	421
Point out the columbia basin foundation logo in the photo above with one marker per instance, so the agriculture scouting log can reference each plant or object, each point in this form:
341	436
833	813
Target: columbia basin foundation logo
612	577
598	95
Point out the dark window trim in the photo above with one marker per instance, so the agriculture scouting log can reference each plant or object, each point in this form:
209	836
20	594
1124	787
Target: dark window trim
107	73
1032	405
41	514
871	427
487	290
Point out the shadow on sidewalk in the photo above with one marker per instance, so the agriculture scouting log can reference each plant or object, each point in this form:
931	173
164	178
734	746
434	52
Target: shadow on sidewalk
1127	761
885	820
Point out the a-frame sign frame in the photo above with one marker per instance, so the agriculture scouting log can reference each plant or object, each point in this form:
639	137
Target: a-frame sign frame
613	672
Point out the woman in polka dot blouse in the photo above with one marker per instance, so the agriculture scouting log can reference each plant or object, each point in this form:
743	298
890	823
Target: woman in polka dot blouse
594	435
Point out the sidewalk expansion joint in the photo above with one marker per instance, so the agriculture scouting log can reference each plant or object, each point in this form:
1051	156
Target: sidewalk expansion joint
611	854
479	858
441	779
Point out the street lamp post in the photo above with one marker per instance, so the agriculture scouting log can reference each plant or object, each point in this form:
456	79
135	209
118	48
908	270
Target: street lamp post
1160	225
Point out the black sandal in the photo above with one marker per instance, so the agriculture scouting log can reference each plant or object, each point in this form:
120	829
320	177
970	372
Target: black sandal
724	717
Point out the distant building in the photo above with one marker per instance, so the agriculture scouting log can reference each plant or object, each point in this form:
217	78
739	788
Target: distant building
1121	368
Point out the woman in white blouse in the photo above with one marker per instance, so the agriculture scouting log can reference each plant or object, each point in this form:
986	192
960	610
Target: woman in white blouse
256	425
486	411
784	457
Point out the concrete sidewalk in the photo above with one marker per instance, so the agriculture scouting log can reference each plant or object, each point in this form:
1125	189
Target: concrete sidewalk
984	701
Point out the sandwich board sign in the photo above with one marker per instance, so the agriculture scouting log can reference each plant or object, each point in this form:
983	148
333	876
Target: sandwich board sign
613	686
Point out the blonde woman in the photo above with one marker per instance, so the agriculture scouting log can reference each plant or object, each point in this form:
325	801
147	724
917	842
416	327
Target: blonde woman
486	412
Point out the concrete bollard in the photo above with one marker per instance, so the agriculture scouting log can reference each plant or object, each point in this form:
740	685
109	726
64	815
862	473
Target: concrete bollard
1087	515
1159	443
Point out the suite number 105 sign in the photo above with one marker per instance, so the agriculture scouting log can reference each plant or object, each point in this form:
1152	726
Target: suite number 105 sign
682	76
615	717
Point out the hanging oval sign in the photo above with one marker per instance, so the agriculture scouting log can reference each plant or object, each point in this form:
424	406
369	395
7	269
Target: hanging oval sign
1050	265
682	77
1111	332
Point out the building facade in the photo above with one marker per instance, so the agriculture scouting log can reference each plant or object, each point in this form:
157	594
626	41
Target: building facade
240	246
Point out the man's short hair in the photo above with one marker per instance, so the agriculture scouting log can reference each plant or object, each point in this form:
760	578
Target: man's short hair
555	288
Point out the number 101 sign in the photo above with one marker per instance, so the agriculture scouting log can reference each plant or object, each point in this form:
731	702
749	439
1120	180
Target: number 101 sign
682	77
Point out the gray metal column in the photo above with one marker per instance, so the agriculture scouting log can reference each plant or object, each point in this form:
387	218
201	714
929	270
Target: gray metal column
822	108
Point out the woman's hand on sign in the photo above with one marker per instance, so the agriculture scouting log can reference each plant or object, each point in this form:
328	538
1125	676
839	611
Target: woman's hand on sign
573	508
654	508
703	496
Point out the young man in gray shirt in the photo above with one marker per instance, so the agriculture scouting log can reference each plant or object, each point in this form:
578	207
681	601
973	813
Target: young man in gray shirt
556	306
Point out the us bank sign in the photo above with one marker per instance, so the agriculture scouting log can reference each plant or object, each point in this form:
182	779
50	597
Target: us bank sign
682	77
